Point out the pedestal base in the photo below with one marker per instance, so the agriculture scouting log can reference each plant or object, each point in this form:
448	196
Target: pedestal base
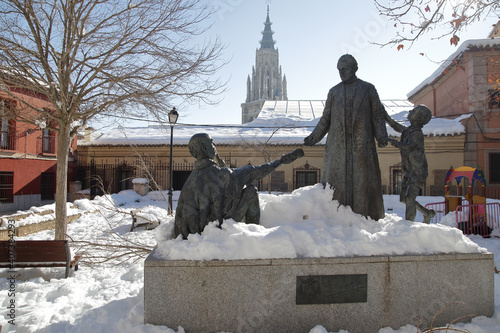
360	294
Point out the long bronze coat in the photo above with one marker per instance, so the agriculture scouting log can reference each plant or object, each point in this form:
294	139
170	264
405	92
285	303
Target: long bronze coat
350	163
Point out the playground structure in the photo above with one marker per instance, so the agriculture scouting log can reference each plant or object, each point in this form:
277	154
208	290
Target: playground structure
473	215
453	201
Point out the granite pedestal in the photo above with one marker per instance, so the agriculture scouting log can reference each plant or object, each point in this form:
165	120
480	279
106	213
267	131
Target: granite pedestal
359	294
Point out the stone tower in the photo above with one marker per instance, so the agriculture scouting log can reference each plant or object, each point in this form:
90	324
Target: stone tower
267	82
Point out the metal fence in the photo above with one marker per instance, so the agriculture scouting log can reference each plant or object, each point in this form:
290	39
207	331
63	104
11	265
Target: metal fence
439	208
115	177
478	219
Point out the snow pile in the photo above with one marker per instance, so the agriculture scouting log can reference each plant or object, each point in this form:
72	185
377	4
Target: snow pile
117	200
307	224
151	215
38	214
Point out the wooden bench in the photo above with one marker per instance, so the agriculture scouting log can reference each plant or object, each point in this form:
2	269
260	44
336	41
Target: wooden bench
37	253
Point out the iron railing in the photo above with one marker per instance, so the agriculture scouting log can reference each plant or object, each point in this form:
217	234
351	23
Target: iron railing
439	208
114	177
6	186
8	140
46	145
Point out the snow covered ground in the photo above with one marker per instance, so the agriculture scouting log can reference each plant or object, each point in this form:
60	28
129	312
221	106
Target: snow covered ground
107	296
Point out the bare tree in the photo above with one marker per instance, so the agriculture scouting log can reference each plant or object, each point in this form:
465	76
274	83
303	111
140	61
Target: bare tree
263	145
414	18
97	57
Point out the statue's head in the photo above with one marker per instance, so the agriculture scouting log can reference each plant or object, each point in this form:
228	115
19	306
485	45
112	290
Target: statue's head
420	115
347	67
201	146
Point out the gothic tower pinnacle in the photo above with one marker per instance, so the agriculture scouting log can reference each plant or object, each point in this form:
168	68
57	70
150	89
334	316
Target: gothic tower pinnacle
267	41
267	82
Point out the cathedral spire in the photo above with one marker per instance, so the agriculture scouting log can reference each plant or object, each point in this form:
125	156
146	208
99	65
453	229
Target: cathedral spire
267	41
267	81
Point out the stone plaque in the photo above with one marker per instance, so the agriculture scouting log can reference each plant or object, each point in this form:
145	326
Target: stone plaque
331	289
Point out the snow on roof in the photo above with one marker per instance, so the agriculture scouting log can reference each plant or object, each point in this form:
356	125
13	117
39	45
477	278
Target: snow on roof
461	49
305	109
281	131
279	122
436	127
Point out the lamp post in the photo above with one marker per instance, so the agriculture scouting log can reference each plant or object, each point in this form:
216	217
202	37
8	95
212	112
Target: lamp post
172	119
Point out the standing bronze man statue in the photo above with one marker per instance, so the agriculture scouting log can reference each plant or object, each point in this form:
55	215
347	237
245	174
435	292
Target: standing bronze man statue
353	118
216	193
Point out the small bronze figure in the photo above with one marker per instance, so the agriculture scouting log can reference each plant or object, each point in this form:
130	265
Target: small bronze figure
413	160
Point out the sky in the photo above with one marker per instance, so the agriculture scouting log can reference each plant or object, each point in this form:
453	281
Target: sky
310	37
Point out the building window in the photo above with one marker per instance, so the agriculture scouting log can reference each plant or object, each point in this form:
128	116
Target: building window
494	99
495	168
47	185
6	187
7	126
278	181
48	142
4	136
7	134
306	178
397	178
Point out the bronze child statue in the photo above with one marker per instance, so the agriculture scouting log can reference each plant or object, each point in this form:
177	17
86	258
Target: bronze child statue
214	193
413	160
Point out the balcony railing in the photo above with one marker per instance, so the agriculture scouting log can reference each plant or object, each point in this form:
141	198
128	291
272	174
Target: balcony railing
8	140
46	145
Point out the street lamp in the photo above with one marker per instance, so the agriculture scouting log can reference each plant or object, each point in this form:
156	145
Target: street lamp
172	119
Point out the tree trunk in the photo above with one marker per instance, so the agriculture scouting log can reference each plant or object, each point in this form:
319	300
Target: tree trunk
63	143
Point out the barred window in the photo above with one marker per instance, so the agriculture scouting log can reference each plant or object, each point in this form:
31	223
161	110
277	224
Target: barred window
6	186
397	179
306	178
47	185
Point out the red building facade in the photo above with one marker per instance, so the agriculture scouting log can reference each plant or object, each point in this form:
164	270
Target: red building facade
468	84
28	158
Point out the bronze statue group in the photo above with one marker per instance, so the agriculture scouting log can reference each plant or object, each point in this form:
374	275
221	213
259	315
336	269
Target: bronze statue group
354	119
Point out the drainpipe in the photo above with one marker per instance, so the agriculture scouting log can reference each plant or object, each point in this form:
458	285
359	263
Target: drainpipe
434	103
